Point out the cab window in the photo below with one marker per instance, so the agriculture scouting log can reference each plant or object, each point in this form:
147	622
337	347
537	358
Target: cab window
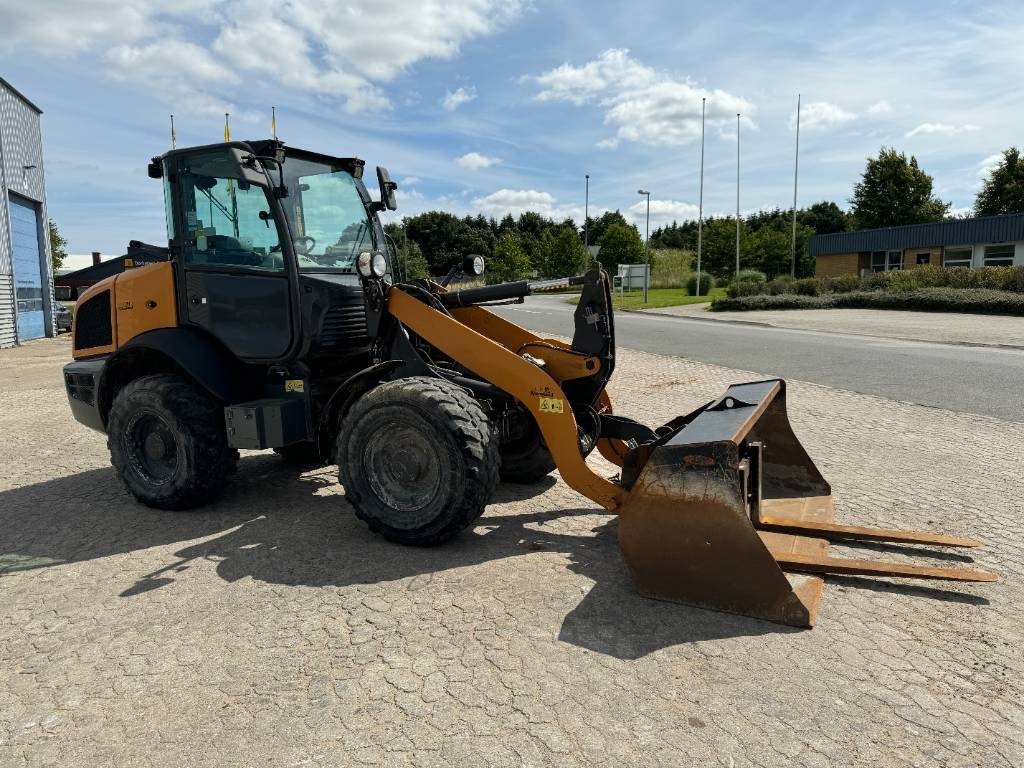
229	222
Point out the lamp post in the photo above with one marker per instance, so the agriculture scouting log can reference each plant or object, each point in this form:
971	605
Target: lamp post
737	195
796	173
647	238
586	219
700	204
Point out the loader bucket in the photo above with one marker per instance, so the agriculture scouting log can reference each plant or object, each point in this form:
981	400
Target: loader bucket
727	511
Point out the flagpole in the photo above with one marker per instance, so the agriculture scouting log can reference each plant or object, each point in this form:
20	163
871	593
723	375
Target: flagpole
273	122
227	127
737	194
796	173
174	137
700	208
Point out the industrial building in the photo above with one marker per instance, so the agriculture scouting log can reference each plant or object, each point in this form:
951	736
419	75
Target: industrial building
26	273
986	241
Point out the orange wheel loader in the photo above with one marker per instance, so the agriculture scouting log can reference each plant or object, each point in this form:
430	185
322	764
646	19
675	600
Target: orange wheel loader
274	318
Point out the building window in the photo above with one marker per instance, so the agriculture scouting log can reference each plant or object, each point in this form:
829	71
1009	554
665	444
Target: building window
999	255
957	257
883	261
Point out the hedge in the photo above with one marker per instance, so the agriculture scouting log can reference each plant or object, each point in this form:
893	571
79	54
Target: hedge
896	281
972	300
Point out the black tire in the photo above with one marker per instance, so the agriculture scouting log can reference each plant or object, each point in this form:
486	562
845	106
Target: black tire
168	443
526	459
418	460
302	454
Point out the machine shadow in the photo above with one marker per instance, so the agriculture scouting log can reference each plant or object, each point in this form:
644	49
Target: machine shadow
278	526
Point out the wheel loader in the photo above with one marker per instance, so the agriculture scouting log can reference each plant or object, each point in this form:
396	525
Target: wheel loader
276	318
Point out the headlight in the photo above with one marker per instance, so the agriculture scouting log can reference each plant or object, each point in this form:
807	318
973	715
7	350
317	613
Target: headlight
372	264
379	265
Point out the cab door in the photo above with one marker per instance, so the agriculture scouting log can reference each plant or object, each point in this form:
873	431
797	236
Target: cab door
235	276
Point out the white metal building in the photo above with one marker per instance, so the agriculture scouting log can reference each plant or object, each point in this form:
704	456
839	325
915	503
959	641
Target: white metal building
26	273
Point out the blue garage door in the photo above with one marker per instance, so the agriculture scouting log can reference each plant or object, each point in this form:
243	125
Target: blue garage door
28	279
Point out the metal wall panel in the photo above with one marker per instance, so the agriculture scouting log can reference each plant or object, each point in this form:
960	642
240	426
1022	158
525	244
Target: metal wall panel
21	172
7	321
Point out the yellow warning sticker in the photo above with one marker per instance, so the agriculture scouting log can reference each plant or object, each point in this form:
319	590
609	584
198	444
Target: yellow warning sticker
551	405
294	385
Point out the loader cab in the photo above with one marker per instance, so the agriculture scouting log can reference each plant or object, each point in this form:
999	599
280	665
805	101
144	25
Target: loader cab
265	241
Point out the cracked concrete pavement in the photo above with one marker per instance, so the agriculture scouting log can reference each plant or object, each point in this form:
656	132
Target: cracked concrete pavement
272	628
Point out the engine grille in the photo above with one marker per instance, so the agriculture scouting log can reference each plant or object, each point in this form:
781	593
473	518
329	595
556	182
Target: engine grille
344	325
92	323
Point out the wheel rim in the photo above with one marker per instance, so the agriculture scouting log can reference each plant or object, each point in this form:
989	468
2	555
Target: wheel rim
402	466
152	449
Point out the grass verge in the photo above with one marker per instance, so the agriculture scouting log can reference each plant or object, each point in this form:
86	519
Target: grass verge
657	298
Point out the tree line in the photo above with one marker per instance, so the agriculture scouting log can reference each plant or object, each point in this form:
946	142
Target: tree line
893	190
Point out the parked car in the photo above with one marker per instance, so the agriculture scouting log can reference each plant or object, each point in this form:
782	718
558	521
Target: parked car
63	316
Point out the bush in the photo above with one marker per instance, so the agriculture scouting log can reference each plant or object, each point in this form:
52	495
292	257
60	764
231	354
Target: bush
842	284
706	282
1013	279
974	300
808	286
751	276
721	282
781	285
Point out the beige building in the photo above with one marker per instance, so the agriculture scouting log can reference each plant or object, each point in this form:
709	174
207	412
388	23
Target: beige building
987	241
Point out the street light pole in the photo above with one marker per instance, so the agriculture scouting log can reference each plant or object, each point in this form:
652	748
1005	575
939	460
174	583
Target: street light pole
700	208
647	242
586	219
737	194
796	173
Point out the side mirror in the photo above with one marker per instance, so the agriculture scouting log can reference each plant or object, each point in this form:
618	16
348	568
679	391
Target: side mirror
387	189
473	265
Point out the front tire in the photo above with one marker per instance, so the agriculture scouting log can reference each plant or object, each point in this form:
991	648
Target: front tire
418	460
168	443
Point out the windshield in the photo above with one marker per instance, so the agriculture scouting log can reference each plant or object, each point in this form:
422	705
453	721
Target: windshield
326	215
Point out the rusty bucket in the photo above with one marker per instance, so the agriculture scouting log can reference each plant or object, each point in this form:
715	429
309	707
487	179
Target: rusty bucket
727	511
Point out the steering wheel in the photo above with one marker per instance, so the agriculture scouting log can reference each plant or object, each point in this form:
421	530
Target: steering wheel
301	248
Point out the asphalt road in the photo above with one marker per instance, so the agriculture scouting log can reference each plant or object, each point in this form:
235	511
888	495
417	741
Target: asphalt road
967	379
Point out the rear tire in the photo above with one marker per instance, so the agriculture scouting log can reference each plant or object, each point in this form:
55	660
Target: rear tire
418	460
168	443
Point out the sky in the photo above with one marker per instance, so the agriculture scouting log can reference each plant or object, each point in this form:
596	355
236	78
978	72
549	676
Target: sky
501	106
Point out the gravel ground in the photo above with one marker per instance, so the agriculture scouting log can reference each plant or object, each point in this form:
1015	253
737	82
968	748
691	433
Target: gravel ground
274	629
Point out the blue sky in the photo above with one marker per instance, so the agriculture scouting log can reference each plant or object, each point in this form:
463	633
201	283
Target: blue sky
477	105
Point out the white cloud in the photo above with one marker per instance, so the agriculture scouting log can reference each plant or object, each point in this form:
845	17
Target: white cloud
332	49
662	212
821	115
517	201
986	166
455	99
409	181
474	161
941	128
170	67
882	107
641	103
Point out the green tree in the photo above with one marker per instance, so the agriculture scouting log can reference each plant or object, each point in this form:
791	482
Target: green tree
894	191
620	244
1003	190
58	246
509	261
824	218
564	255
597	227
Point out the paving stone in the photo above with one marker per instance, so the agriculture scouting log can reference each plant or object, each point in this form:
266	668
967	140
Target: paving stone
273	628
